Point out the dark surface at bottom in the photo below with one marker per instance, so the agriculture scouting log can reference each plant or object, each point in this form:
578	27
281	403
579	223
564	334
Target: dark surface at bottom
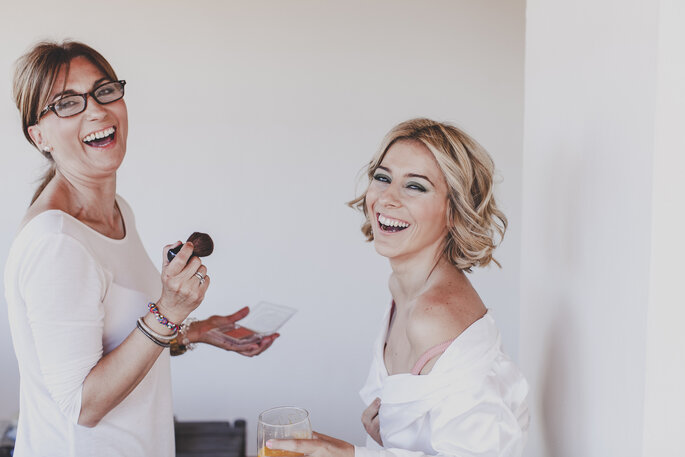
210	439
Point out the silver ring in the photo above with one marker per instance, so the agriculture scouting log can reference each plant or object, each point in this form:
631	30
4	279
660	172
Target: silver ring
200	276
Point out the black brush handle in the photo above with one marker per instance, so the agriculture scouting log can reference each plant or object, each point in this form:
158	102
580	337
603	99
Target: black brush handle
171	253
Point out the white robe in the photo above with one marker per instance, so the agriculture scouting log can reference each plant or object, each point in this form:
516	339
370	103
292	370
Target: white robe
472	403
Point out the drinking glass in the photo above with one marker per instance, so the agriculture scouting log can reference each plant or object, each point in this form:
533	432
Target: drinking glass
284	422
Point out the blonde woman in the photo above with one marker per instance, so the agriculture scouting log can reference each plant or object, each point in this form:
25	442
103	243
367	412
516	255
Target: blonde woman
439	383
93	361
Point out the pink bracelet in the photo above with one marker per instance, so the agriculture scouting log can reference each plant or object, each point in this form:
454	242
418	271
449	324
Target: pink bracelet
161	318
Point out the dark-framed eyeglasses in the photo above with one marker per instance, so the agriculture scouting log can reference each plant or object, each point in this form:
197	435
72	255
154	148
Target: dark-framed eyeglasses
71	105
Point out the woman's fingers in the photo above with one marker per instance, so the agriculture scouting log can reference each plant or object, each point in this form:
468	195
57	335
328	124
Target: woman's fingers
204	285
376	430
165	251
241	313
261	346
371	421
371	411
301	446
191	266
223	321
320	446
201	275
254	349
174	267
246	348
185	282
266	342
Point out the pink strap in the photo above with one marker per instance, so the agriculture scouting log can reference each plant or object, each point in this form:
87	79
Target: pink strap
428	355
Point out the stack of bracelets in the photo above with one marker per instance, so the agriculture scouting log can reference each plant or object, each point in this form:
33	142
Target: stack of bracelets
160	340
167	341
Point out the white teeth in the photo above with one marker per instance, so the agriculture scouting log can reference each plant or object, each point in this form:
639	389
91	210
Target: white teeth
391	222
97	135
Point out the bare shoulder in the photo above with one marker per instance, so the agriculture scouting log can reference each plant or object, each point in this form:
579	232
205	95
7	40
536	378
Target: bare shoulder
442	313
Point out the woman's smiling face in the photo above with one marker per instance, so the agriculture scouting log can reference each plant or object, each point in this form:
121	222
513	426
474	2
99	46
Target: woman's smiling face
89	145
407	202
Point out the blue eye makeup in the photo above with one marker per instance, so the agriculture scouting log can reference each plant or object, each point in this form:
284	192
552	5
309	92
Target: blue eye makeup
416	186
381	177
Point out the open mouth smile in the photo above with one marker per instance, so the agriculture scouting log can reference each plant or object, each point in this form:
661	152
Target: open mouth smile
390	225
101	138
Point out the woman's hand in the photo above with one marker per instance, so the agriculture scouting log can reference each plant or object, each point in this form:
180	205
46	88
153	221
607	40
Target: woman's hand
182	289
319	446
370	421
201	332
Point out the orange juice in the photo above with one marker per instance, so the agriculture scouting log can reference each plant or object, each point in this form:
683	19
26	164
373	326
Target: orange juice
266	452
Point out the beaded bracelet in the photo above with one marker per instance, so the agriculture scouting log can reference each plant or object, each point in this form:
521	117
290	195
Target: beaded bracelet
161	318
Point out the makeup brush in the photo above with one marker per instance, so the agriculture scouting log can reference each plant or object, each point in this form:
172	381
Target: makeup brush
202	246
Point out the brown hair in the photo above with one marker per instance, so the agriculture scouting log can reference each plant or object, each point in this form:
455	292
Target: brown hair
34	78
475	224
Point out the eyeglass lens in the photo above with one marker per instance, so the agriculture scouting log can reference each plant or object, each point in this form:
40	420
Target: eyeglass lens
74	104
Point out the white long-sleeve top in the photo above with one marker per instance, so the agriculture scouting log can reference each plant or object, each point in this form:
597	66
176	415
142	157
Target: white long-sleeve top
472	402
73	296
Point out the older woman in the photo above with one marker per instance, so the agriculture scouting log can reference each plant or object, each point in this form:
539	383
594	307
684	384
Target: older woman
439	382
95	376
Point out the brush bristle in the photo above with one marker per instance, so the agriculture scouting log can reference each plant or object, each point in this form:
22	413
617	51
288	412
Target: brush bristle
202	244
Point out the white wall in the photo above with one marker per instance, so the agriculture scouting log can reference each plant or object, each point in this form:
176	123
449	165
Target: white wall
664	410
251	120
602	222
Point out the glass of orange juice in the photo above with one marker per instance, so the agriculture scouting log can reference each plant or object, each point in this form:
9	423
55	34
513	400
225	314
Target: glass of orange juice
282	423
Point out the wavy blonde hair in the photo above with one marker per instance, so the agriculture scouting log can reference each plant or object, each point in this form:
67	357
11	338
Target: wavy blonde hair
475	225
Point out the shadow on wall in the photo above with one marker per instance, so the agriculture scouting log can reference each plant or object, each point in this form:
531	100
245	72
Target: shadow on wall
559	386
559	383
